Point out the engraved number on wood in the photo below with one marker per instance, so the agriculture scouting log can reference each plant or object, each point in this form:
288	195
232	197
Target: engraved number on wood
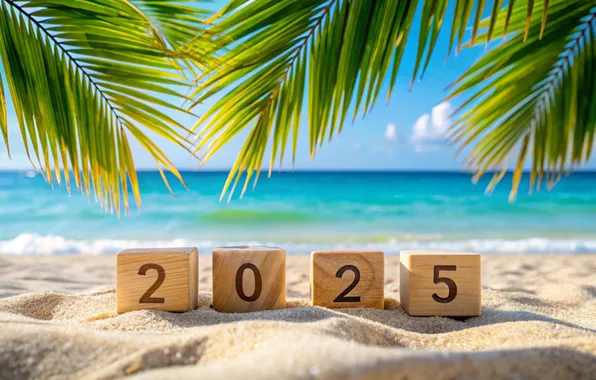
447	281
161	275
342	296
258	282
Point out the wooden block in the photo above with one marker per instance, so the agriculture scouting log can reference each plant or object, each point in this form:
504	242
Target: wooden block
435	283
342	279
249	279
157	279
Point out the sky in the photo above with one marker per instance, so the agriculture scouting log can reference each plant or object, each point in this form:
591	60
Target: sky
407	133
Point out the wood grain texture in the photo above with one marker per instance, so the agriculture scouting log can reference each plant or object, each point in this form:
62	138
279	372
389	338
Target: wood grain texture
436	283
249	279
347	279
138	271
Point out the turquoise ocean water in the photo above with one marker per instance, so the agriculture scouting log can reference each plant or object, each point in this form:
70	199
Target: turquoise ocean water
304	211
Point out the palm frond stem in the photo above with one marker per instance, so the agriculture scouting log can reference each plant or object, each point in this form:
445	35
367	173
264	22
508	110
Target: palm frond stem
70	57
558	69
304	43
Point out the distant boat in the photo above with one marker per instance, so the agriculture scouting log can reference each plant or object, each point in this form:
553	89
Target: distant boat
31	174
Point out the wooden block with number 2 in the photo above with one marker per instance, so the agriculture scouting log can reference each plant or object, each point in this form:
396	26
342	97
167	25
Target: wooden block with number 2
436	283
345	279
157	279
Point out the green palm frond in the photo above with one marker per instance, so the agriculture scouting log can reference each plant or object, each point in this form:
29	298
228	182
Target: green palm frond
534	99
85	76
176	24
332	56
3	116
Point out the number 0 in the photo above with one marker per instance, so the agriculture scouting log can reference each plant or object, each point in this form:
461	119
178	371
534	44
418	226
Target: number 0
258	282
447	281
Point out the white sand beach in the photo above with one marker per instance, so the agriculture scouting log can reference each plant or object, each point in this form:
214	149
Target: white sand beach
57	320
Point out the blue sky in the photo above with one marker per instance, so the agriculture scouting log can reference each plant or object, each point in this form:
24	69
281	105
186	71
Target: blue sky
404	134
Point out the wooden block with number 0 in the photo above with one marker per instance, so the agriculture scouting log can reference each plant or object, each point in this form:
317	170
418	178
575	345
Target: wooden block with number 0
343	279
435	283
157	279
249	279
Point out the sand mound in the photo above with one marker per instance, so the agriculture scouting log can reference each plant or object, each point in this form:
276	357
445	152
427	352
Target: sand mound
530	328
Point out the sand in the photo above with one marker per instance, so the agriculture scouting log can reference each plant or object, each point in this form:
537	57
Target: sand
57	321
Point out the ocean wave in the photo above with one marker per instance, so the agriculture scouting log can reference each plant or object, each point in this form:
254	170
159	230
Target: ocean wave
34	244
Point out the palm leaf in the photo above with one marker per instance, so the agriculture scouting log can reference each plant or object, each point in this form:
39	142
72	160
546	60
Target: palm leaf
175	24
334	56
3	117
533	99
84	75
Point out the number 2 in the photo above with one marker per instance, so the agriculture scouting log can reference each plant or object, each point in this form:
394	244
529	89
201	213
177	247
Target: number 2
161	276
447	281
342	296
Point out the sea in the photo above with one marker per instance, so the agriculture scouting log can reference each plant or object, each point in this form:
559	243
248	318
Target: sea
305	211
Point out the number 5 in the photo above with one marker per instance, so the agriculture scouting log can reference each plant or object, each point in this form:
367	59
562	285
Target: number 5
447	281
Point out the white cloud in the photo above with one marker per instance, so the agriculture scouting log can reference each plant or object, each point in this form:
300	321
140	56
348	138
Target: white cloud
391	132
430	130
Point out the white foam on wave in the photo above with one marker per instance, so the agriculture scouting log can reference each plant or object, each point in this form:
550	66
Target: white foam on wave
35	244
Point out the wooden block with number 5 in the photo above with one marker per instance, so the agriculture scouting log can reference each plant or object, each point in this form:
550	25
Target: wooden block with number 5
249	279
342	279
435	283
157	279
